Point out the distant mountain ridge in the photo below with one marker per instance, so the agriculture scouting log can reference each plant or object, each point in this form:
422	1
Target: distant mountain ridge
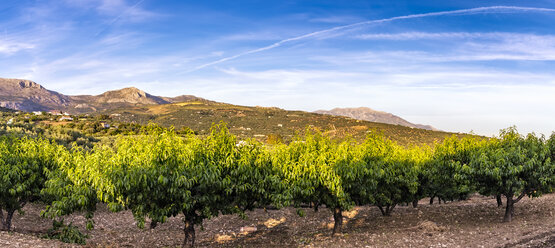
27	95
186	112
368	114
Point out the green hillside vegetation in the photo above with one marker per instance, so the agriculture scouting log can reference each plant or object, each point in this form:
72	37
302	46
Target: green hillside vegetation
268	124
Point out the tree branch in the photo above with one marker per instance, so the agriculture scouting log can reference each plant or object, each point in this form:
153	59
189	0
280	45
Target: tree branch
520	196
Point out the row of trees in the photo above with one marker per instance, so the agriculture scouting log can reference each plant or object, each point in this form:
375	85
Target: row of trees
159	174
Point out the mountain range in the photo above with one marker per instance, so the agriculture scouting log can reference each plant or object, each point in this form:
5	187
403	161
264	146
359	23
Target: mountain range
29	96
368	114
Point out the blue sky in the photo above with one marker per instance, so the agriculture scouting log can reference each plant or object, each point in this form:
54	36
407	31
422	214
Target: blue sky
456	65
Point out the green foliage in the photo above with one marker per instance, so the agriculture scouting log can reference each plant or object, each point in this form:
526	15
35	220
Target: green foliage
66	192
24	167
396	172
320	171
61	135
66	233
447	172
157	174
273	139
513	165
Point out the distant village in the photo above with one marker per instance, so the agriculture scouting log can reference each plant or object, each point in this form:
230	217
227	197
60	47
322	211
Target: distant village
55	115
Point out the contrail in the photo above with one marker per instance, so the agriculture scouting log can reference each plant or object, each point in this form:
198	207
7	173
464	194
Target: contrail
330	30
118	17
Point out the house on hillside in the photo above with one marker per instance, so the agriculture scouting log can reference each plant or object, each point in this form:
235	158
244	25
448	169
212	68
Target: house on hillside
10	121
37	112
66	118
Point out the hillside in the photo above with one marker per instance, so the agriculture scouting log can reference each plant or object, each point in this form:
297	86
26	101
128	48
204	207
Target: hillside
368	114
267	123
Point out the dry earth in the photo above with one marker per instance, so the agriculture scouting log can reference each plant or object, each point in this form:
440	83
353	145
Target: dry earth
472	223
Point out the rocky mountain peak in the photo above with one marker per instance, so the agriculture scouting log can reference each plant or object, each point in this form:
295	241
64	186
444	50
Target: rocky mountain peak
133	92
368	114
129	95
28	84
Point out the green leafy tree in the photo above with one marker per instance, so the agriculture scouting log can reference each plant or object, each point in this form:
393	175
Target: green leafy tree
418	158
24	167
66	192
448	170
321	172
396	172
513	166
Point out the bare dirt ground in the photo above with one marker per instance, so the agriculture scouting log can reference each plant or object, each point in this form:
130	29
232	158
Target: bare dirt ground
472	223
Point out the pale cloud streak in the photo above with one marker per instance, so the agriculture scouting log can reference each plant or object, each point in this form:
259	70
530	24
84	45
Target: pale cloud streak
124	10
331	31
11	47
479	46
435	36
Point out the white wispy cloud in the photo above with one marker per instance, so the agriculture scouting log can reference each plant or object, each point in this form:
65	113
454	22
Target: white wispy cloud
459	47
335	19
482	46
253	36
10	47
331	31
124	10
440	35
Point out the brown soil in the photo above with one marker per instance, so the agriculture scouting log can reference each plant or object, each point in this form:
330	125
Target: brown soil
472	223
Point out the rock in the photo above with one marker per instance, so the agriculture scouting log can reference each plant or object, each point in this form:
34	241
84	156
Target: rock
248	229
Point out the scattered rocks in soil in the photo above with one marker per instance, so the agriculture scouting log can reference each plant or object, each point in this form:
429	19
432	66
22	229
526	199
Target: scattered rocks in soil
476	222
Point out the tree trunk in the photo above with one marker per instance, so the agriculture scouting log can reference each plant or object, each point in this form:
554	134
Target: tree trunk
189	230
1	219
387	210
509	210
338	218
381	210
432	199
415	203
499	200
7	222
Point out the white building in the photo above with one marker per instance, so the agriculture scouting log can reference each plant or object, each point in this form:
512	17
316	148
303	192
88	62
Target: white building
66	118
